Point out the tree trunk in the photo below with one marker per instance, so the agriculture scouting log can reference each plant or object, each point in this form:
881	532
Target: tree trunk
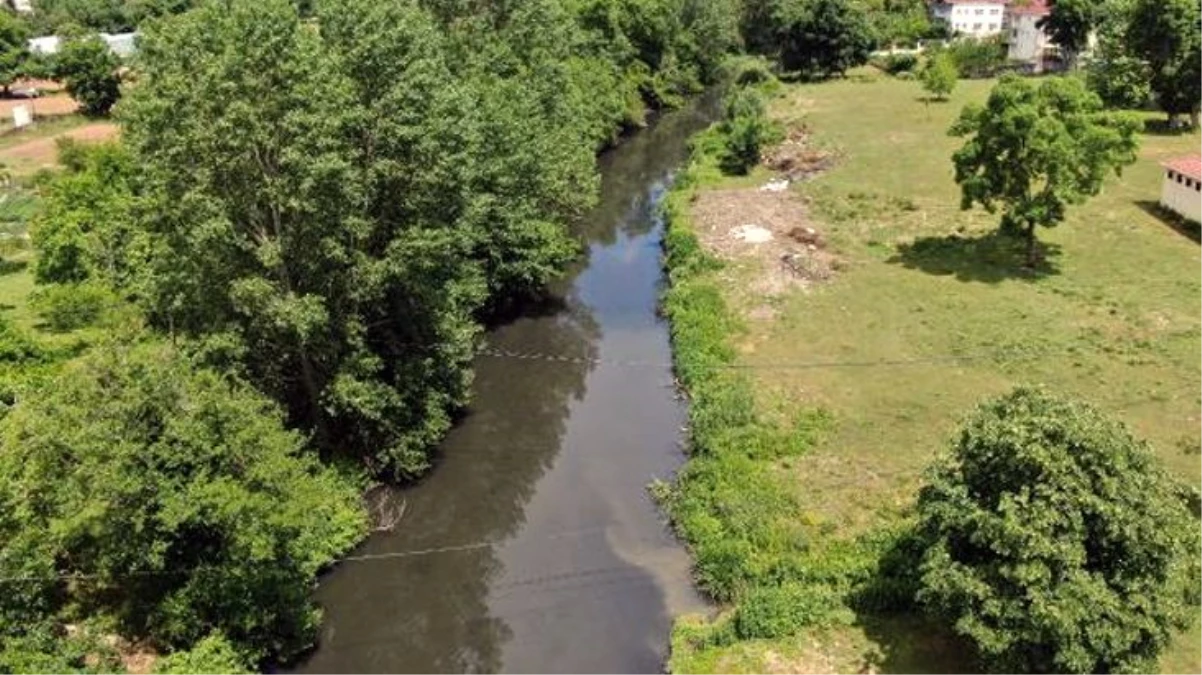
1193	119
1032	251
313	393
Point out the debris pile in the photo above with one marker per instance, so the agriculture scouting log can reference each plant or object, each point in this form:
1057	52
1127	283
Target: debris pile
795	158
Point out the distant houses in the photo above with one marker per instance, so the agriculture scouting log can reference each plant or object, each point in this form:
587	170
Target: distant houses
121	44
1181	191
1015	21
1027	43
972	18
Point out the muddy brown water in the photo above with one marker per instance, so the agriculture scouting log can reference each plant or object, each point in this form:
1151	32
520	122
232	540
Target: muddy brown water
534	546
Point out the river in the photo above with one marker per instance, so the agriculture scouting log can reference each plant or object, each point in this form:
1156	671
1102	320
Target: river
533	546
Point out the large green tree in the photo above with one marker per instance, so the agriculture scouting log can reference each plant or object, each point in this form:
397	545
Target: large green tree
1055	542
340	202
88	70
141	486
1069	25
1167	34
823	38
1117	75
1035	148
14	49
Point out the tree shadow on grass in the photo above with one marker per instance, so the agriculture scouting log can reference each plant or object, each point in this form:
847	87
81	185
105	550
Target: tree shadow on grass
1182	226
12	266
990	258
905	638
1161	127
913	643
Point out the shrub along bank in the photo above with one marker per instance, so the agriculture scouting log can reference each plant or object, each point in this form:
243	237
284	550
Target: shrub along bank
753	548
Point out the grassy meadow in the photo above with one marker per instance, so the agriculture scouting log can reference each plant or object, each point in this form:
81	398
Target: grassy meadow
931	315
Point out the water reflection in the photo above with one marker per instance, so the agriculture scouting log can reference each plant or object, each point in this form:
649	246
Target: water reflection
533	545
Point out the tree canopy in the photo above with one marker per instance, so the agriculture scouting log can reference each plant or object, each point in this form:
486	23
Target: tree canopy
1070	23
823	38
14	49
1055	542
939	75
88	69
1167	34
167	497
1035	149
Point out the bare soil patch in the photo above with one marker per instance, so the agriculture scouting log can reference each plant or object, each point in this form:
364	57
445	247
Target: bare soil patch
768	229
57	104
795	158
42	153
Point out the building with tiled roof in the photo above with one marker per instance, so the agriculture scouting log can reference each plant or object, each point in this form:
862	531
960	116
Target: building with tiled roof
1181	191
1026	41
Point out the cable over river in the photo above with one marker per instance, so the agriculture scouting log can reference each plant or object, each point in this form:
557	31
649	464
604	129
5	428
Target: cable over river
533	545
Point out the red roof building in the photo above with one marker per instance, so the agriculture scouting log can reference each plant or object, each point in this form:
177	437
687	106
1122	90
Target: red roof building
1029	8
1181	191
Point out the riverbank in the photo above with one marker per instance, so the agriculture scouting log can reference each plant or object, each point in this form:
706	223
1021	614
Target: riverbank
805	460
536	527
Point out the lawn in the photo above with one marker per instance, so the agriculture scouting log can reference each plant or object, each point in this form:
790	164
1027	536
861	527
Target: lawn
950	317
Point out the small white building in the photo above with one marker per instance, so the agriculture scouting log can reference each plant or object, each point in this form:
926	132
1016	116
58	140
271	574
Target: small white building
974	18
22	6
1181	192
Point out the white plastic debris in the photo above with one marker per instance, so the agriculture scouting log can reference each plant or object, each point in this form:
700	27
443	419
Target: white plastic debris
775	185
752	234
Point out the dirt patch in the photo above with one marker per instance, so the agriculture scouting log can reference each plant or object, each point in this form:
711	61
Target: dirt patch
769	229
40	153
46	106
795	158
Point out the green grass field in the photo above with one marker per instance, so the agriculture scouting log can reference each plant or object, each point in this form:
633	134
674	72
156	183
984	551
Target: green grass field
1111	318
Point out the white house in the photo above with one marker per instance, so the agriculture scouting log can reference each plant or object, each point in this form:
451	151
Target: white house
23	6
44	45
1027	42
121	44
975	18
1181	192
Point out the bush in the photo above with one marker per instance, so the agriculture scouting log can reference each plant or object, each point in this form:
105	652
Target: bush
895	64
213	654
68	307
15	345
939	75
1054	541
978	58
747	71
772	612
85	227
746	130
